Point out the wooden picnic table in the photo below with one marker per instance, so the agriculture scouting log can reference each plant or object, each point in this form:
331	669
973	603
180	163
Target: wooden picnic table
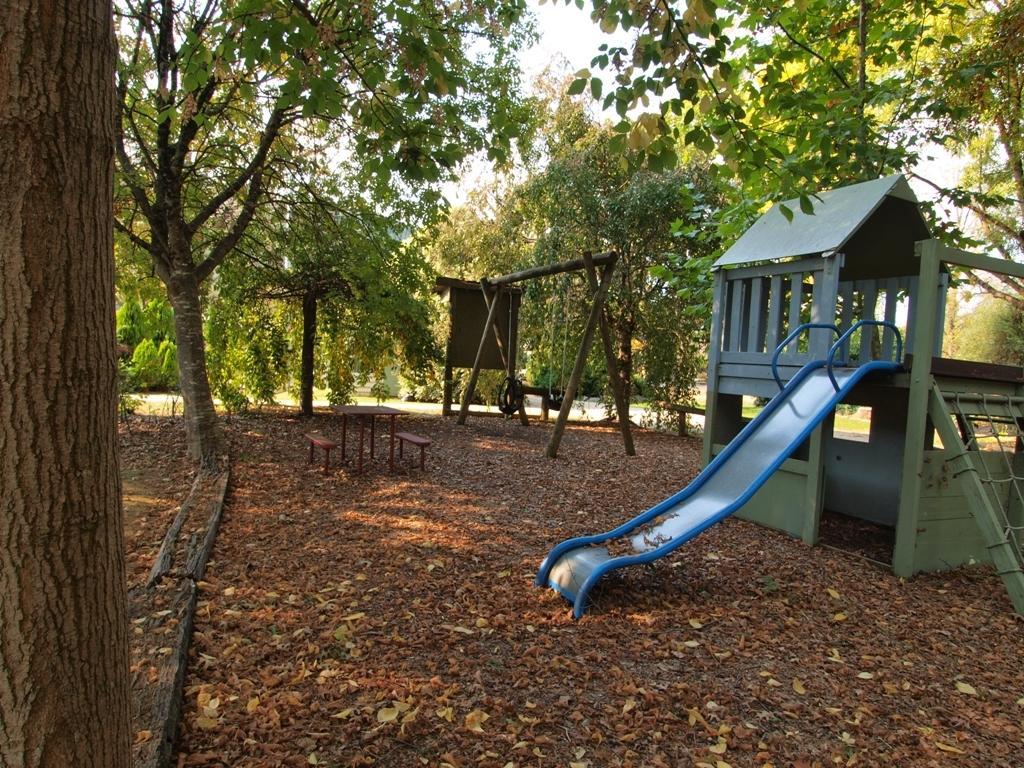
364	413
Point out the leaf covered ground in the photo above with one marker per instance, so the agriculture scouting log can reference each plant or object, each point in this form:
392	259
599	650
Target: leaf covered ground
391	620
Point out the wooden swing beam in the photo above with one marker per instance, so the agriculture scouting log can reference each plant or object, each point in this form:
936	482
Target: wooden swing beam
573	265
491	288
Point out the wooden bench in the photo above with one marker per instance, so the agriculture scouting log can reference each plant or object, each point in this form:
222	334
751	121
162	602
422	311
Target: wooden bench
316	440
409	437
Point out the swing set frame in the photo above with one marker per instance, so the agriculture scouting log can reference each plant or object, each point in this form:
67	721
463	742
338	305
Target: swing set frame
492	288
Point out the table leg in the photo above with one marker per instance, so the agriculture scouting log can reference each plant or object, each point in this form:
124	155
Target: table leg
310	451
344	428
362	433
373	421
391	446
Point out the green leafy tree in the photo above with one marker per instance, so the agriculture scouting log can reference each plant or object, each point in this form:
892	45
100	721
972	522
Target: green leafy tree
585	195
326	274
216	98
590	198
791	97
983	77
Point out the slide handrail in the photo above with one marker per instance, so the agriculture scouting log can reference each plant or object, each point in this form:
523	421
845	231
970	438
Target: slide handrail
786	341
843	339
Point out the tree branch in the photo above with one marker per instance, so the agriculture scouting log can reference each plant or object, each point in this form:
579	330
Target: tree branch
223	248
251	171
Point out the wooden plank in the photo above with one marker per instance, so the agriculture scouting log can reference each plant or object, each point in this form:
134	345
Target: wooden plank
796	295
969	369
977	261
735	315
773	505
756	315
814	489
911	310
846	294
946	544
867	333
891	300
823	307
800	266
763	358
774	313
917	417
162	563
940	315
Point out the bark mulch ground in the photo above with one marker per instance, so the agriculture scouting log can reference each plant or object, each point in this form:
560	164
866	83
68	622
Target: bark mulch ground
391	620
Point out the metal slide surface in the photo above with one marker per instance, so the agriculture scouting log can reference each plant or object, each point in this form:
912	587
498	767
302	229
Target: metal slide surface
573	567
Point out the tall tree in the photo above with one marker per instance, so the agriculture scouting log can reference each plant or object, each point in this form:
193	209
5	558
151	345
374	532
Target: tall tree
590	197
585	195
328	270
983	78
207	90
792	97
64	694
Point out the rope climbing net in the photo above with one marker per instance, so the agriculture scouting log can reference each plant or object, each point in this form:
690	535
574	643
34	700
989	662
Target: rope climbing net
992	425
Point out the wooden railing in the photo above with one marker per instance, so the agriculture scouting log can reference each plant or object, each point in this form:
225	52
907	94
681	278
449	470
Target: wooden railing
757	306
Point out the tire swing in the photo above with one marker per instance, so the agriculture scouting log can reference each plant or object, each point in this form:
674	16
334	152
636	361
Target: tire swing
510	396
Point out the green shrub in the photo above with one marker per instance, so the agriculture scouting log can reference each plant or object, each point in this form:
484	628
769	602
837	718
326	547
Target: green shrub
232	398
146	364
168	353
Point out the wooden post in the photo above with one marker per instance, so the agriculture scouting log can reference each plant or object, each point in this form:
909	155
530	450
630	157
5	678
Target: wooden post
917	409
621	406
467	396
446	395
507	351
714	353
815	489
449	373
581	360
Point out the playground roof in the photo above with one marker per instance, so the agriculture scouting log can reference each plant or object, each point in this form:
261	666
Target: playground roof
838	215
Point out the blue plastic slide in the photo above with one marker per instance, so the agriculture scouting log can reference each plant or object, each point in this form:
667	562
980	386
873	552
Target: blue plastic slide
573	567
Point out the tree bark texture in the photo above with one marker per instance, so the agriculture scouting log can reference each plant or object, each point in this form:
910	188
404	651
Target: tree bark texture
309	301
205	439
64	686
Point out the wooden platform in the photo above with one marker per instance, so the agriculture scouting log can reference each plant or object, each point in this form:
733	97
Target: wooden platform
969	369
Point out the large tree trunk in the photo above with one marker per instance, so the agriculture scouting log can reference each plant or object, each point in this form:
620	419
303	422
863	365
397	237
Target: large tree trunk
309	301
64	690
205	439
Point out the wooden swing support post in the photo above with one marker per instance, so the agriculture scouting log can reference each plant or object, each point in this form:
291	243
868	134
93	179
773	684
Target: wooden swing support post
491	288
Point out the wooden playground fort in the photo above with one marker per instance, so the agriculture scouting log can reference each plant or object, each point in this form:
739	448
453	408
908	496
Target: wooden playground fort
943	463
